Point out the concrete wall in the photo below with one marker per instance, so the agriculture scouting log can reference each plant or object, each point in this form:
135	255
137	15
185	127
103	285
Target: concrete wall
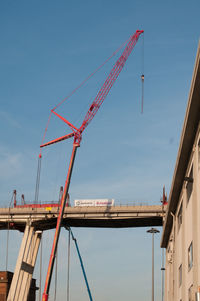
181	280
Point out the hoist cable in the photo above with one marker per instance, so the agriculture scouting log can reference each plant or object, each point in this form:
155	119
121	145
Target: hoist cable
142	76
69	95
142	45
57	169
142	104
89	76
80	85
11	200
39	163
46	128
38	179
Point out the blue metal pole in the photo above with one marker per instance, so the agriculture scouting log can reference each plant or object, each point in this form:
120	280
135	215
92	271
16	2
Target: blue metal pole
81	261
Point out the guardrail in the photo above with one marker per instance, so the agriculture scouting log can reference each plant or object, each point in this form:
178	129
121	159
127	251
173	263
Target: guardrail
56	204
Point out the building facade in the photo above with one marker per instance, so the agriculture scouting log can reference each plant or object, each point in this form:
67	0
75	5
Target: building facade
181	229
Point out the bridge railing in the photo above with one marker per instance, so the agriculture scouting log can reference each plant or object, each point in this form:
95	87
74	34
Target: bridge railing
117	203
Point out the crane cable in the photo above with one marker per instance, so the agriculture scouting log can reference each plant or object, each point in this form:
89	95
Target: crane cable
81	84
37	185
61	102
142	76
90	75
67	97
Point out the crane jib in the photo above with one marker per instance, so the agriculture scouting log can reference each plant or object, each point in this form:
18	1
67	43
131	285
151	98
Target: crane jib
101	95
77	133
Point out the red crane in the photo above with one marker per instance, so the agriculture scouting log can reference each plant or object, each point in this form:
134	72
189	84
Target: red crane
77	134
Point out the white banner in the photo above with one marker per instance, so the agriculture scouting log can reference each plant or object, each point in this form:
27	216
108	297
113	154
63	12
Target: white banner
95	203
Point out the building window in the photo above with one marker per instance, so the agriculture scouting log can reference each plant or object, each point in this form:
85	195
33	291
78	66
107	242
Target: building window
180	274
190	293
180	216
190	257
189	185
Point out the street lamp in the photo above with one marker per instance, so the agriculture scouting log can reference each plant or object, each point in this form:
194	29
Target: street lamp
153	231
163	273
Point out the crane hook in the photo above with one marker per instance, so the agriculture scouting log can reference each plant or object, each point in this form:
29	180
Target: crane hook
142	78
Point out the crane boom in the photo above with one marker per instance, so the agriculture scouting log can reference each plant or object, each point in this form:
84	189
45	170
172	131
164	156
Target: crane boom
114	73
77	134
103	92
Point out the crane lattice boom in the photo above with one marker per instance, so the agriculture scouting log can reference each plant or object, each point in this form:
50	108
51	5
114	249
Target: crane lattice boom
103	92
77	133
110	81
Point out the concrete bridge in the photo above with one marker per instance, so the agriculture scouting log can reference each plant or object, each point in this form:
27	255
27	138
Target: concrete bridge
34	220
100	217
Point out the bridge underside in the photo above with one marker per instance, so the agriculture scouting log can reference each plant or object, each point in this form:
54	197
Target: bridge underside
97	217
105	223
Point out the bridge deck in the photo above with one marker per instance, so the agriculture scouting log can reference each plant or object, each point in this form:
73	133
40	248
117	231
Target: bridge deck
99	217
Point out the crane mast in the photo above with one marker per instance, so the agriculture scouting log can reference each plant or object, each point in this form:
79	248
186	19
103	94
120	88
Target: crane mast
77	134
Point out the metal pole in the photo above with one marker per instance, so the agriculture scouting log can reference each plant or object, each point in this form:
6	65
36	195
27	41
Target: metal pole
40	281
153	266
68	266
7	246
163	270
153	231
56	273
82	266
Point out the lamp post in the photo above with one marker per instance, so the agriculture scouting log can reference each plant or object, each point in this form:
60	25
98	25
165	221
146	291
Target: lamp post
153	231
163	273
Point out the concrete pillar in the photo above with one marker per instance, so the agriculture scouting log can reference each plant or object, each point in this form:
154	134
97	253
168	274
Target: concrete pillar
25	265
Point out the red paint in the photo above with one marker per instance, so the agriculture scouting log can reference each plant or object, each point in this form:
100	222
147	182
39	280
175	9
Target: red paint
103	92
77	133
39	205
44	297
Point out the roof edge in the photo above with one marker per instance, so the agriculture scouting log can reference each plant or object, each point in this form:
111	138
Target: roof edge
186	143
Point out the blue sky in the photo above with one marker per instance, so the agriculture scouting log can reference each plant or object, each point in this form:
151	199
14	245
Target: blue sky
47	49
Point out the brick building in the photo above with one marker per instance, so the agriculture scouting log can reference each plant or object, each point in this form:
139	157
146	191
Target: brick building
5	281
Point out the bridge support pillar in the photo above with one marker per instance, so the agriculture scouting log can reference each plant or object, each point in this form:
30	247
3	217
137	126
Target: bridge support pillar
22	277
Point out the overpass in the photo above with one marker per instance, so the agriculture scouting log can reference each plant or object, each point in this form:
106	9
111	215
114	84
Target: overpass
99	217
34	219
